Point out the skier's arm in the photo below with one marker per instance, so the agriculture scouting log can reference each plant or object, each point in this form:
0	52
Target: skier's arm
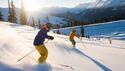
45	35
49	37
76	35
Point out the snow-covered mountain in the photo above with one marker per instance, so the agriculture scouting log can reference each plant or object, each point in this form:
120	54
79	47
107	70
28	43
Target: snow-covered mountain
83	5
106	3
88	55
75	9
109	3
114	3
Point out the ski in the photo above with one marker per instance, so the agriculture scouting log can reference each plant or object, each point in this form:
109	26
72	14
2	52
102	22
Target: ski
61	65
68	66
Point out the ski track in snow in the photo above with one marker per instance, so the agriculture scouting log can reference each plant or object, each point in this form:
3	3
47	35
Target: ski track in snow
78	51
101	65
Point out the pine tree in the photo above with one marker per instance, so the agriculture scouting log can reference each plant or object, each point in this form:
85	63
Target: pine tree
14	19
23	18
1	16
33	22
39	24
47	19
12	14
82	29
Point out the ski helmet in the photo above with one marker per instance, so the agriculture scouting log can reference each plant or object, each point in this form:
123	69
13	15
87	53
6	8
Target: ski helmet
73	30
48	25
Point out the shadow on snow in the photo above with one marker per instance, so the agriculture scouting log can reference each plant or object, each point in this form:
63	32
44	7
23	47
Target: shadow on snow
4	67
102	66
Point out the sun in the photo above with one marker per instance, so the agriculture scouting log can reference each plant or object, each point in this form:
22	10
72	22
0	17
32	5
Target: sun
31	5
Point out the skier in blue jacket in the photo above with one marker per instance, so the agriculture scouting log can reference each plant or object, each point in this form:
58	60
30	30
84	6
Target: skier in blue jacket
39	42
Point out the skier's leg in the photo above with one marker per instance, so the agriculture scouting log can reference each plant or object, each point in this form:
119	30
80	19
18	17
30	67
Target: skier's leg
73	42
43	52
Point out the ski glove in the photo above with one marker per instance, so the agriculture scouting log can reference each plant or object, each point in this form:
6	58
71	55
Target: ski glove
51	37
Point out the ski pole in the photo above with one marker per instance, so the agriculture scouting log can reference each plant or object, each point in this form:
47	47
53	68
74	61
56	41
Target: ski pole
25	55
28	54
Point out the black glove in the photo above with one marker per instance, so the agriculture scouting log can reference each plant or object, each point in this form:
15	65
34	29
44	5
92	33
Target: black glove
51	37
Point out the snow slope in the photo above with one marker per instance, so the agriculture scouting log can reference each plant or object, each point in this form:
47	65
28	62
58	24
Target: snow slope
88	55
114	29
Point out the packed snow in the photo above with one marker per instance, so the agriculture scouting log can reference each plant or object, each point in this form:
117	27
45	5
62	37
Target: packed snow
88	54
114	30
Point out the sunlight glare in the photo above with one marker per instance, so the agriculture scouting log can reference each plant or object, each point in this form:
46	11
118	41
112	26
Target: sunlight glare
31	5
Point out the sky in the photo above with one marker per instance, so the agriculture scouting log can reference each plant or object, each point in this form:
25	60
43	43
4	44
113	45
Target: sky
36	4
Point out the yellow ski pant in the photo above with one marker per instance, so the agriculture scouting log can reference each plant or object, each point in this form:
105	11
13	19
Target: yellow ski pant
43	52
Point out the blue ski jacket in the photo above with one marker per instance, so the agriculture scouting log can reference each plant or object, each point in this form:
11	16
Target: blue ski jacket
40	37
